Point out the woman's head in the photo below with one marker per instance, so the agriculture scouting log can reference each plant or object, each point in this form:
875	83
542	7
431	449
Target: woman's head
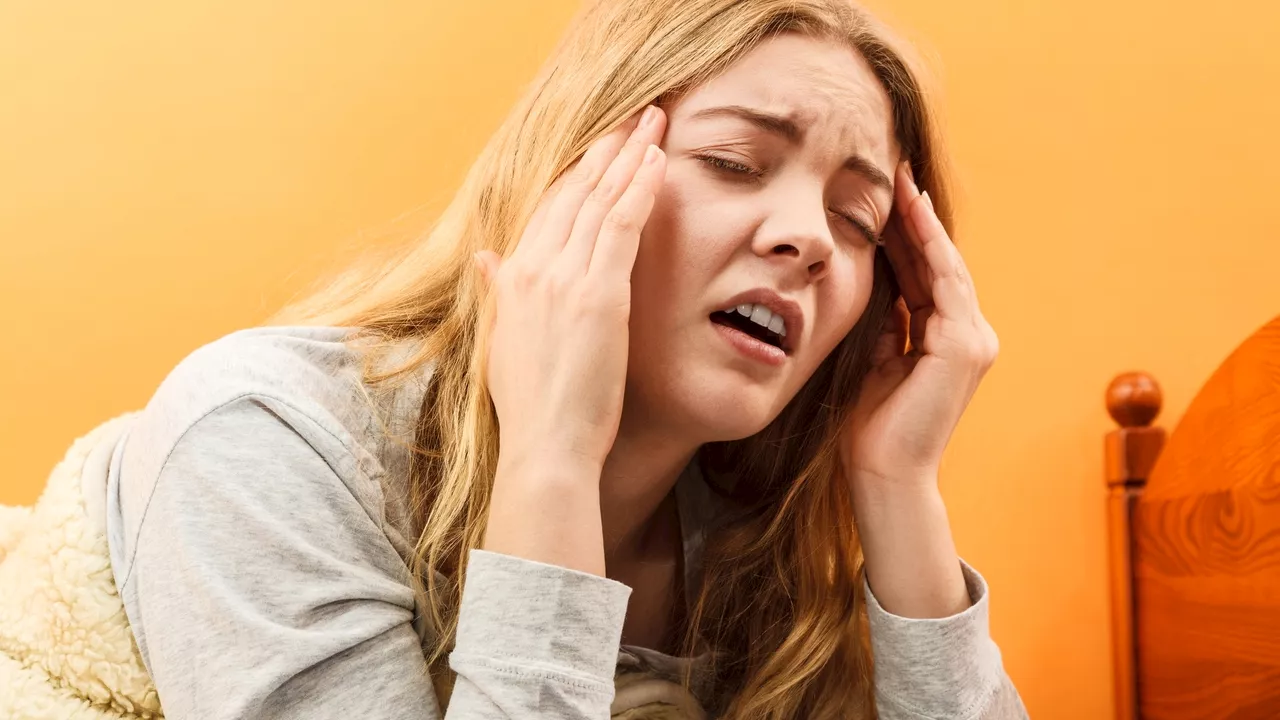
783	116
779	181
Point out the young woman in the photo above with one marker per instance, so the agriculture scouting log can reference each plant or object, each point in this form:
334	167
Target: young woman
648	424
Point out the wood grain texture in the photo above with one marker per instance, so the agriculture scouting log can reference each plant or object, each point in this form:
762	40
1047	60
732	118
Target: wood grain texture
1206	550
1120	502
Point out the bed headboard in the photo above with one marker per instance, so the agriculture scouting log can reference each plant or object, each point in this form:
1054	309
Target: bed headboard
1194	538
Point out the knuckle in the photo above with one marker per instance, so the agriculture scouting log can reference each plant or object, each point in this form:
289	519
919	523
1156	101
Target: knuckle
620	223
581	306
634	144
978	351
603	195
517	279
559	282
580	176
598	300
993	346
591	295
561	278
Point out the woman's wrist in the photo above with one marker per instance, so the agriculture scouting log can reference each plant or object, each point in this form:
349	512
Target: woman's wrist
911	561
547	508
919	483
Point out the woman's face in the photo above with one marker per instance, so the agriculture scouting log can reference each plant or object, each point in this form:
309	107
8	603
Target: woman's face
779	177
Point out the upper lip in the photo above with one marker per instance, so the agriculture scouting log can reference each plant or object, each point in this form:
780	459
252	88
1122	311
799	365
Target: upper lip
790	311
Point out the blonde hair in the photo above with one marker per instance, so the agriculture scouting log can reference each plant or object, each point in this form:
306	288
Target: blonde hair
782	592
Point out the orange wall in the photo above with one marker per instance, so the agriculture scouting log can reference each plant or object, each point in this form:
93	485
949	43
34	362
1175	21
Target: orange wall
171	172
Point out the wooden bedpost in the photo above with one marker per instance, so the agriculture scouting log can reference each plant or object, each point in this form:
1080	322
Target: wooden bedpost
1133	400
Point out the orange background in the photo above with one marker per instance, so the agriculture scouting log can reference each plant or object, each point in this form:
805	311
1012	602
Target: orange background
172	172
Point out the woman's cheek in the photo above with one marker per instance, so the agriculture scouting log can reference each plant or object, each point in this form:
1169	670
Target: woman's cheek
844	307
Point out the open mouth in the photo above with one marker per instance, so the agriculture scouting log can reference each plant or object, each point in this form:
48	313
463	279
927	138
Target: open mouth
744	324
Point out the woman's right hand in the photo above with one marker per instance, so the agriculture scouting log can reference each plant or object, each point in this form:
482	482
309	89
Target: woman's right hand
557	353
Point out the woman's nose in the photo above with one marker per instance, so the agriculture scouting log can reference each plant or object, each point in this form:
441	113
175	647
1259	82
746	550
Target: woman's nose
800	233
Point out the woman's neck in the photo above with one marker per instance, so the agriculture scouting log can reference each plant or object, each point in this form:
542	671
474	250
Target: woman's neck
639	473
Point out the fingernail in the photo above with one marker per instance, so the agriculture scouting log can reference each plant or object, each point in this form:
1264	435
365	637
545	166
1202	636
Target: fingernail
910	173
650	114
927	201
651	155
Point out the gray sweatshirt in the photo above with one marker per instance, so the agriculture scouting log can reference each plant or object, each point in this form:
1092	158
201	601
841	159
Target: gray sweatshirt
259	536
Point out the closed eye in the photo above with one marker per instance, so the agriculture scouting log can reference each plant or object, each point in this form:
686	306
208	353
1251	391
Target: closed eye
730	166
737	168
867	231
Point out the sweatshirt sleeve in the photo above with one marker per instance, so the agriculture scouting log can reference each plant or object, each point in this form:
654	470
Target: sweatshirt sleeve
261	586
941	668
535	640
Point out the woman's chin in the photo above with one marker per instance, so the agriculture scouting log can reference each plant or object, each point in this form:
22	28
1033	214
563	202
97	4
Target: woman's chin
704	402
728	411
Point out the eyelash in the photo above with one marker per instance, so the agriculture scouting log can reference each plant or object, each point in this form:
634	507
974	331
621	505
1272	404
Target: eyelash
729	165
872	236
739	169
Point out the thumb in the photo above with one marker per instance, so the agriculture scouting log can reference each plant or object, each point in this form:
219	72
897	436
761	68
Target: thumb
487	262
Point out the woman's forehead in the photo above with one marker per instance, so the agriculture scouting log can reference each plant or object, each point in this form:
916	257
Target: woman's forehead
820	86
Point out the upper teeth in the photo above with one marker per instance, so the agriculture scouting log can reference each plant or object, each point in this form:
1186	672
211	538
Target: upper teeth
762	315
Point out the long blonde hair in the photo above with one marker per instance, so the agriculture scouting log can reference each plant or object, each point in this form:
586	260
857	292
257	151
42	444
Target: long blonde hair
781	594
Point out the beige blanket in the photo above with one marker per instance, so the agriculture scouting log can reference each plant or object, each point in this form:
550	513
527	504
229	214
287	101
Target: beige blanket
65	646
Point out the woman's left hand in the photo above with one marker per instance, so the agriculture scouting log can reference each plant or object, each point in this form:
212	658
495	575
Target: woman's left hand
911	401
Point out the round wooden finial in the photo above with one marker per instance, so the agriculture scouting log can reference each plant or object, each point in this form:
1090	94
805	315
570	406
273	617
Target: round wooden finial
1134	399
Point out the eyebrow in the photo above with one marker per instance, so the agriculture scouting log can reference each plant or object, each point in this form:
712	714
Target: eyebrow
787	129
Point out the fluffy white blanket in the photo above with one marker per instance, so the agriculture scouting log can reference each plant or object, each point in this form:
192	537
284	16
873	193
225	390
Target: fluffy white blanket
66	650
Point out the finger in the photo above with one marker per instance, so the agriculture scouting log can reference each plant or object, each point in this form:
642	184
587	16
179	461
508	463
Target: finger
913	277
539	217
942	267
576	184
619	239
912	280
953	295
622	171
905	194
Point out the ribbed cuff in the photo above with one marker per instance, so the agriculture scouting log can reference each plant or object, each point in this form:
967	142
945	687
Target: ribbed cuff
541	617
936	667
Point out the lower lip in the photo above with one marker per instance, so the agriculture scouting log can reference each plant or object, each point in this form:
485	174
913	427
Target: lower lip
751	347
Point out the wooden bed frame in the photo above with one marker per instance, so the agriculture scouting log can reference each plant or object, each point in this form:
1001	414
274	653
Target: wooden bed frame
1194	526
